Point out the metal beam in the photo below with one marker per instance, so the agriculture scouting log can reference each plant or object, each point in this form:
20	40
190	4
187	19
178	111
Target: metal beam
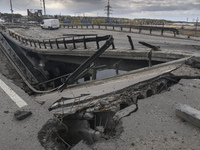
86	64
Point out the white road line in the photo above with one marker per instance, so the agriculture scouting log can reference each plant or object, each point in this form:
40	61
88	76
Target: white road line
15	98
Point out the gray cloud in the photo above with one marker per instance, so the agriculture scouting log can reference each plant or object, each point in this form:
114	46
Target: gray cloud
128	8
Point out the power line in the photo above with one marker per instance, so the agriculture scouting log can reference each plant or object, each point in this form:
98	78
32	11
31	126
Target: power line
28	3
20	6
108	10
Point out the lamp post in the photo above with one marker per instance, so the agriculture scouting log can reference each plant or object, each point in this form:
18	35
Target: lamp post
44	7
196	25
11	11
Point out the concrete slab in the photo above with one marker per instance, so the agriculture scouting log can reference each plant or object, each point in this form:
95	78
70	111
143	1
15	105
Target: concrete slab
189	114
108	85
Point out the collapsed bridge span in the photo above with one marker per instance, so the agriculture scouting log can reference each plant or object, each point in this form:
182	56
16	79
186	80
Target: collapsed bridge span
92	109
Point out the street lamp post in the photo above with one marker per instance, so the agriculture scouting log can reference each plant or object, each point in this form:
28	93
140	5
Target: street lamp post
11	11
44	7
196	26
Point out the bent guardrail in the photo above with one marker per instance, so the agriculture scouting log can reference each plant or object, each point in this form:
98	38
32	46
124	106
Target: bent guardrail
86	64
9	53
52	84
57	43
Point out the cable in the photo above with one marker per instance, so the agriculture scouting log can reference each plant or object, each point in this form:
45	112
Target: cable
28	3
23	5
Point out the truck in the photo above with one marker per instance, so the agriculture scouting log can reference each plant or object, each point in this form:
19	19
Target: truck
50	24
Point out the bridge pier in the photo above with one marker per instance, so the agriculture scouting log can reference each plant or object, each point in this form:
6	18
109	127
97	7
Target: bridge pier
174	33
150	31
94	74
140	30
161	32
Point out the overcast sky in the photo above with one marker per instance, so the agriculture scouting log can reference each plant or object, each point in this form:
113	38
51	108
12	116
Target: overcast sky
176	10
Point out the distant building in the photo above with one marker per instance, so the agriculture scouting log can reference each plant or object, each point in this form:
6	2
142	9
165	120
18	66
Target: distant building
34	13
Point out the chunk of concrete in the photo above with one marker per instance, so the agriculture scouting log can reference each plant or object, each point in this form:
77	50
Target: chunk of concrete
125	112
21	115
100	129
88	116
189	114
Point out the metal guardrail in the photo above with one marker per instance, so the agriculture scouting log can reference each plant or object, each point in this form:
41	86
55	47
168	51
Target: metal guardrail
87	63
70	78
58	42
130	27
26	72
45	85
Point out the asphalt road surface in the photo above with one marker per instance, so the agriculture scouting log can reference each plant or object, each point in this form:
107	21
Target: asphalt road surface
16	134
167	43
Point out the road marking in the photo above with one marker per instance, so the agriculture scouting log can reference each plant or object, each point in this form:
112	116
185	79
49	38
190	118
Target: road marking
15	98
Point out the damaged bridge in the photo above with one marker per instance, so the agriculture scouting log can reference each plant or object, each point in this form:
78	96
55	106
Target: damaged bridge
89	83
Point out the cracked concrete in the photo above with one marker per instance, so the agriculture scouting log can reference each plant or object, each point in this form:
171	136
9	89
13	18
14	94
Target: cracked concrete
156	126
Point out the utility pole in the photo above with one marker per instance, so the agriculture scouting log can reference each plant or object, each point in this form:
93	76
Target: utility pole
196	26
44	7
108	10
11	11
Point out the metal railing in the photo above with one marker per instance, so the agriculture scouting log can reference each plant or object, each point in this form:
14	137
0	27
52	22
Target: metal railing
44	87
130	27
57	43
11	53
72	77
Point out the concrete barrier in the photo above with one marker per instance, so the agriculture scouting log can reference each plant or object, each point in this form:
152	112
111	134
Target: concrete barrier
189	114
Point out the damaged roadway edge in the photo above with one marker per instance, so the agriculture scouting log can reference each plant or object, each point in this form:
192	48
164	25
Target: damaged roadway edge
100	117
